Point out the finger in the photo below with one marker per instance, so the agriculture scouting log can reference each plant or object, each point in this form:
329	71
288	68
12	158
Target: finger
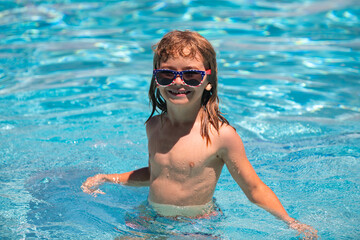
96	192
86	189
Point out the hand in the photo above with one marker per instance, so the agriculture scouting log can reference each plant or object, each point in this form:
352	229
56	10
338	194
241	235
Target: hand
91	185
308	232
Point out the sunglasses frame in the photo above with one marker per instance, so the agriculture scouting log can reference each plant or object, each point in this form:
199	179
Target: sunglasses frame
180	73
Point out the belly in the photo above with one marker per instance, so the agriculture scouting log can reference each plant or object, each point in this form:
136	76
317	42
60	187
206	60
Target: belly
190	192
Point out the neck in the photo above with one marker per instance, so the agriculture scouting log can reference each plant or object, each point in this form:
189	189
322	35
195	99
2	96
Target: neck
183	115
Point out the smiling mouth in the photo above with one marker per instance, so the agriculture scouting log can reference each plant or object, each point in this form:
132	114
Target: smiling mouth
179	92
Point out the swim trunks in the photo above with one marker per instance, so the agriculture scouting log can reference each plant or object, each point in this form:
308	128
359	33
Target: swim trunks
168	210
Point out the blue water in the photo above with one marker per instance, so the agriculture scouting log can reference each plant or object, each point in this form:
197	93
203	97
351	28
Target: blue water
73	101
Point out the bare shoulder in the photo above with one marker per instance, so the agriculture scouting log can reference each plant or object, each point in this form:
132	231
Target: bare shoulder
227	132
231	148
152	124
229	138
153	120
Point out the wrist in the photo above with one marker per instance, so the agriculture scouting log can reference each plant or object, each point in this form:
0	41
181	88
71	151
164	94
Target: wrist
292	221
289	220
101	177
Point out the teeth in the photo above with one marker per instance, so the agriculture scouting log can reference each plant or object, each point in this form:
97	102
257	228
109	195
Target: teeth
179	92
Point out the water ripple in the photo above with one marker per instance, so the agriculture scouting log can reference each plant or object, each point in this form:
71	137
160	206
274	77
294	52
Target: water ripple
74	77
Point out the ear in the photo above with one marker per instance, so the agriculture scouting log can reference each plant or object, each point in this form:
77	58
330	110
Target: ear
208	87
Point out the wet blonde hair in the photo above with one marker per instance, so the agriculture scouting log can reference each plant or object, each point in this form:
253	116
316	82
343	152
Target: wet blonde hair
189	44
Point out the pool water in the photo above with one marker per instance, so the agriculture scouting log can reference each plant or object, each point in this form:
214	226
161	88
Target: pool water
74	77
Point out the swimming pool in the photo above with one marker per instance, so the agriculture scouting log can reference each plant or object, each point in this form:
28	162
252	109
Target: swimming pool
73	101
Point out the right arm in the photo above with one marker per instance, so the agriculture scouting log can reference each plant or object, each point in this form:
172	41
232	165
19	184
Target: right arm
139	177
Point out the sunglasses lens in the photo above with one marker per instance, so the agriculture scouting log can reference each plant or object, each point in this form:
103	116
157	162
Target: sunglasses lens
192	78
164	77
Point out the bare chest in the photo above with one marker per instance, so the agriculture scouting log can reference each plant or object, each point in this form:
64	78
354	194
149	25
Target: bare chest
180	155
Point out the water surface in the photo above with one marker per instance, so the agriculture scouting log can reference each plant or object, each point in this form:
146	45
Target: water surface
74	77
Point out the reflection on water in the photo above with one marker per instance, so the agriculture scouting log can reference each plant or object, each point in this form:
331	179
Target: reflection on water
73	98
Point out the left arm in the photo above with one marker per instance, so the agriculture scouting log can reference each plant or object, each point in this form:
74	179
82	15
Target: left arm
234	156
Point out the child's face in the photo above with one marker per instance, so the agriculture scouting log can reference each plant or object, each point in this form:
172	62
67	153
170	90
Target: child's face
178	92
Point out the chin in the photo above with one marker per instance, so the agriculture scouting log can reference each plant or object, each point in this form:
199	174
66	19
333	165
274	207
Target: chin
178	101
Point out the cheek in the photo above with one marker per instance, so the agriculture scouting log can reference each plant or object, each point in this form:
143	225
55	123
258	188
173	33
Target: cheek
161	92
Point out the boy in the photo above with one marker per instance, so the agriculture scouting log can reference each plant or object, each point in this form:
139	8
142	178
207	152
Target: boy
189	142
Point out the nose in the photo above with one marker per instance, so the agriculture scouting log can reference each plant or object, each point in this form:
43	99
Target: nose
178	80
